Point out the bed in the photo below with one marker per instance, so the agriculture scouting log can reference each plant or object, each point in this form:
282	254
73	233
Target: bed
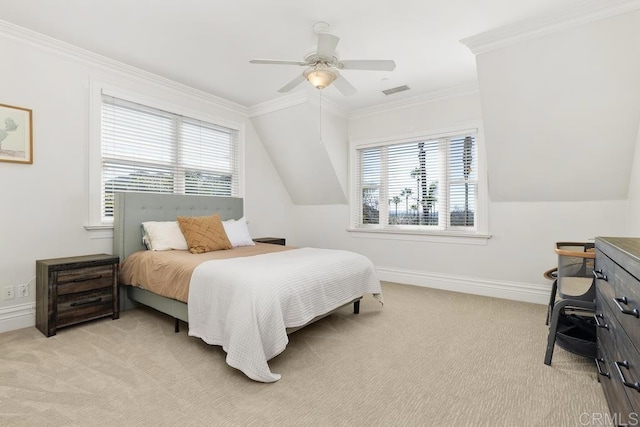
246	303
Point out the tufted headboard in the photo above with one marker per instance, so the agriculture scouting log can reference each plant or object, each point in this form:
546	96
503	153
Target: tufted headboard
131	209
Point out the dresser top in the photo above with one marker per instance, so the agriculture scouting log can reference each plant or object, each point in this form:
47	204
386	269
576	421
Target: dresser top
623	250
630	245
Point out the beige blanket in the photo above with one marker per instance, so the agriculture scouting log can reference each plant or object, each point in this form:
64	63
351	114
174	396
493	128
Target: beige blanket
168	273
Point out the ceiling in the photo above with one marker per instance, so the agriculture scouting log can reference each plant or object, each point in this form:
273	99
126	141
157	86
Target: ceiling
208	44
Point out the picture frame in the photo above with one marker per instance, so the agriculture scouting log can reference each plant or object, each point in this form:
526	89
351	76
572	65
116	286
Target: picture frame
16	134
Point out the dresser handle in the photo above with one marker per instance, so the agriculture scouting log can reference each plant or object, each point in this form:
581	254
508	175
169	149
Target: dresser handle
623	300
598	324
625	364
85	302
599	275
87	278
604	374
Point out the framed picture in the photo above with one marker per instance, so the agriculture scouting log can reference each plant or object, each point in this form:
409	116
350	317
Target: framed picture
16	135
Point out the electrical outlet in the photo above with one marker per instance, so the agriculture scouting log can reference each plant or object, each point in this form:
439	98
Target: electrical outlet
8	292
23	290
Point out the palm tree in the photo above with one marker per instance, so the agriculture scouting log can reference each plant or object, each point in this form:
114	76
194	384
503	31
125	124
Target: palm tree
422	159
467	158
395	200
431	200
417	175
406	193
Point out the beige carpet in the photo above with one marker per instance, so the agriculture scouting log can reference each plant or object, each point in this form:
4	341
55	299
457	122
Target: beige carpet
428	358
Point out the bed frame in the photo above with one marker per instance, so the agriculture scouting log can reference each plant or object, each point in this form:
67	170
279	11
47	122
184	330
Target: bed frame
131	209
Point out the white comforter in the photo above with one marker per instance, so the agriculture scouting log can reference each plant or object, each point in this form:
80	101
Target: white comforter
245	304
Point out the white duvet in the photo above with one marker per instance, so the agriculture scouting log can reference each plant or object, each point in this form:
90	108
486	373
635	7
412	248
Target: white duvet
246	304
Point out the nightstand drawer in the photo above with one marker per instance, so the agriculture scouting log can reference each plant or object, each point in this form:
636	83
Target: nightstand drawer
81	306
84	279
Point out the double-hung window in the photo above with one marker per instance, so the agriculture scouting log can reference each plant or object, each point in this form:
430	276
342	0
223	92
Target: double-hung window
146	149
418	185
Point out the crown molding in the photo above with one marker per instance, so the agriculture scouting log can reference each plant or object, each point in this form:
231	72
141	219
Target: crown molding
68	50
296	98
583	12
416	100
273	105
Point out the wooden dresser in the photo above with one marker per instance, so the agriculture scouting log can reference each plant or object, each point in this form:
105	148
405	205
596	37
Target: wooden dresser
617	272
76	289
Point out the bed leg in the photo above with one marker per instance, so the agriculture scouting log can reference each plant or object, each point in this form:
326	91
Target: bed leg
356	307
177	325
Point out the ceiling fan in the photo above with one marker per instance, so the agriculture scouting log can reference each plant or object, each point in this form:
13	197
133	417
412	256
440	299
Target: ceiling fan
323	66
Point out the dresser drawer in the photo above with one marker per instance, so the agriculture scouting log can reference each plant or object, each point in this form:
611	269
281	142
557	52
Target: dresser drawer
614	391
627	303
607	326
605	273
626	367
84	279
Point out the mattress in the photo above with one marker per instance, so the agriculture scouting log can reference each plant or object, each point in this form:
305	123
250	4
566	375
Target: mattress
168	273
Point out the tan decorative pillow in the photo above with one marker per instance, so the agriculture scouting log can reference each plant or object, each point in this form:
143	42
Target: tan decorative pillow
204	233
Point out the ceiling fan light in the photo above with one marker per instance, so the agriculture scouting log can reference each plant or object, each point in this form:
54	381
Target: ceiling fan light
321	78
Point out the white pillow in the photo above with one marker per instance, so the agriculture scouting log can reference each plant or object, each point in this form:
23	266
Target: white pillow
164	236
238	232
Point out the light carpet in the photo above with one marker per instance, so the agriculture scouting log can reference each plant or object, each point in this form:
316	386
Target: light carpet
427	358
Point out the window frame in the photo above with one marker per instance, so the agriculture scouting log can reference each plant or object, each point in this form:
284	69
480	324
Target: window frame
479	236
177	105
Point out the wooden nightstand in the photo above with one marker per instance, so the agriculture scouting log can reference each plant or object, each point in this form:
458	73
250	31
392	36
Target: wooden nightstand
75	289
272	240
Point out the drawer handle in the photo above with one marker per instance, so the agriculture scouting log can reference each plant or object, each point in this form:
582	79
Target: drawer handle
623	300
625	364
599	275
85	302
597	318
87	278
604	374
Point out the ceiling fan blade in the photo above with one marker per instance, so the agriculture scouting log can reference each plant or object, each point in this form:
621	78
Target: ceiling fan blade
327	44
344	86
278	62
293	83
368	64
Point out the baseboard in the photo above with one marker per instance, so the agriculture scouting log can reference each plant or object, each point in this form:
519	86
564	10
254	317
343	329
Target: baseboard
23	315
534	293
17	317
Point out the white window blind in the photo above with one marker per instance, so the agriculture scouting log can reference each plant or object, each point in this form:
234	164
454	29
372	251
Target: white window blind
429	184
149	150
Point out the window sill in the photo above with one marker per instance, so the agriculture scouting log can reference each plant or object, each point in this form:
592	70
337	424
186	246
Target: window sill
460	238
100	231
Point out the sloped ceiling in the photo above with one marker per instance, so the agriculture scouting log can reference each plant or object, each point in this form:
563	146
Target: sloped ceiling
561	112
307	147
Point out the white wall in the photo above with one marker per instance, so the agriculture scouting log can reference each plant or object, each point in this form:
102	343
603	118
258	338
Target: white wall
45	205
523	233
633	216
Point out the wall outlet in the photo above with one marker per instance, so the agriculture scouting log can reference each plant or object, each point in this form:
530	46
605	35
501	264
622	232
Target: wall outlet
8	292
23	290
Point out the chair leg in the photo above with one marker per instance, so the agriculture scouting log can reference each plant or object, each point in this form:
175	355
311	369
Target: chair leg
552	300
553	329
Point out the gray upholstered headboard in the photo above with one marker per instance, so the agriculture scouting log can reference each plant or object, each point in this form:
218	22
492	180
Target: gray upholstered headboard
131	209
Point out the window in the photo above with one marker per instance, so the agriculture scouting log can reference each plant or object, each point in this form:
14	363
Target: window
145	149
418	185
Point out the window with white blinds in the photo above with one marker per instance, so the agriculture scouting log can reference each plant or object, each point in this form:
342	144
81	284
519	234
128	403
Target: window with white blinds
429	184
145	149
